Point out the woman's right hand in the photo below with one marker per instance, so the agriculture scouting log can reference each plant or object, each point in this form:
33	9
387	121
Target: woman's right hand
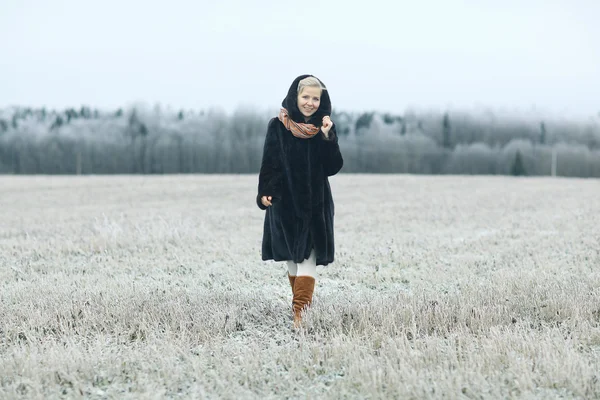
266	200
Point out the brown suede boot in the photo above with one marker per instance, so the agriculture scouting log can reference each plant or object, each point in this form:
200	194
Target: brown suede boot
292	279
304	287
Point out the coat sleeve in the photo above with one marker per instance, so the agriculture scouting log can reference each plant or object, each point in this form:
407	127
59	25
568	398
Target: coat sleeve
270	176
330	153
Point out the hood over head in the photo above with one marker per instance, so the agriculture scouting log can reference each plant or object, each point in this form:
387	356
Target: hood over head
290	103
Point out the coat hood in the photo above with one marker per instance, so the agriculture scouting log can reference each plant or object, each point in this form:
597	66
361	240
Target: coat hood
290	103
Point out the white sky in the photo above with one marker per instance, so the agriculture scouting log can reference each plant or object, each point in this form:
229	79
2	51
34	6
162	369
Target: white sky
373	55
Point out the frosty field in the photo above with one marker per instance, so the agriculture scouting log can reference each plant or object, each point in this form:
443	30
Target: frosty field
443	287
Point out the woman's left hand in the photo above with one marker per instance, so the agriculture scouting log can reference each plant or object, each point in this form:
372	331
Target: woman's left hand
327	124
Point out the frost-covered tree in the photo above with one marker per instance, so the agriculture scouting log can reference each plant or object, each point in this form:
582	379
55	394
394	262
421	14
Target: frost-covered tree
518	168
142	139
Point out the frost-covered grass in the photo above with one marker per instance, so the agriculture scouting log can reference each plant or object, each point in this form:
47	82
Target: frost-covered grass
153	287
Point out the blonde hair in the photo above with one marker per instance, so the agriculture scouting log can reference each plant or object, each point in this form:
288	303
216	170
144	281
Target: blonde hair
310	81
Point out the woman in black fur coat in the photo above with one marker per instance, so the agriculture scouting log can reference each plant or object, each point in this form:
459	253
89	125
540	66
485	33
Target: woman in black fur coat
301	151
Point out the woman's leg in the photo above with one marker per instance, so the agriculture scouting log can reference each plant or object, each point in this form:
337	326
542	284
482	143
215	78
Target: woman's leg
292	272
308	267
304	287
292	268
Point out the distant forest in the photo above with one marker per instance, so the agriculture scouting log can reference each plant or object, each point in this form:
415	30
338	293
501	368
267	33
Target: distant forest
153	140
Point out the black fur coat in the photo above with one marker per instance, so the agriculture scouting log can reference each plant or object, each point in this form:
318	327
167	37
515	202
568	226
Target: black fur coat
295	173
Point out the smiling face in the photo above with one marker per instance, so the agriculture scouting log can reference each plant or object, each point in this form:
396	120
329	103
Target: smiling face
309	99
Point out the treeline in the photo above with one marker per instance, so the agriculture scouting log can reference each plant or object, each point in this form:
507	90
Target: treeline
143	140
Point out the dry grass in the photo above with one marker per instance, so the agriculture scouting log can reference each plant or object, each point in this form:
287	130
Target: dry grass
153	287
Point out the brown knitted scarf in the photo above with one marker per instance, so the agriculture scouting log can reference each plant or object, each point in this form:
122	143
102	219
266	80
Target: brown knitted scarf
302	131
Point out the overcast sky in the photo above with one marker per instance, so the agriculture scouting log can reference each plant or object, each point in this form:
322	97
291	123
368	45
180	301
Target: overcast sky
372	55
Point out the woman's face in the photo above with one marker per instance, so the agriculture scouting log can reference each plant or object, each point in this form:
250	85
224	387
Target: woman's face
308	100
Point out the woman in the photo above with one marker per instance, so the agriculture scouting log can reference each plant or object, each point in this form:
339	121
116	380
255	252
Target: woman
301	151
